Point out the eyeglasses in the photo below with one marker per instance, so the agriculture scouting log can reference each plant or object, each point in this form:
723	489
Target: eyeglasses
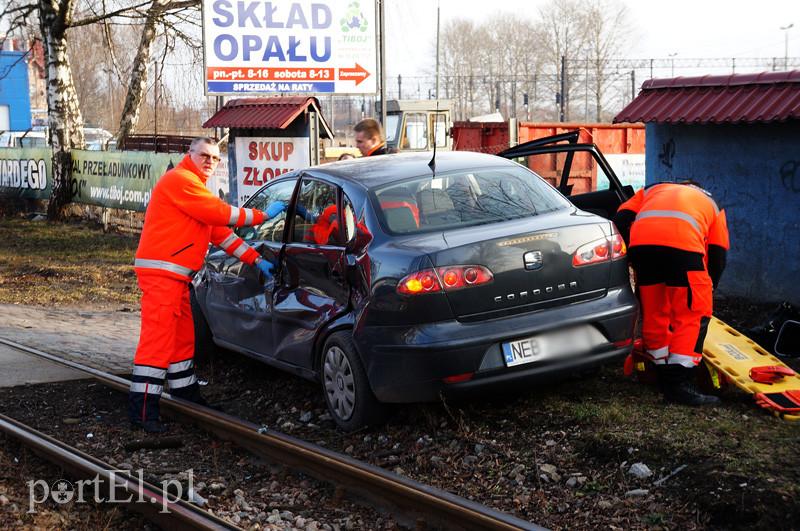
207	156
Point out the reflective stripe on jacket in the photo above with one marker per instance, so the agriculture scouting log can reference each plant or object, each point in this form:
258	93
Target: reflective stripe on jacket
182	218
676	215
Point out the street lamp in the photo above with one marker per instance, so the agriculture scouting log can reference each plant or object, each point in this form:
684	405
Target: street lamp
672	61
786	45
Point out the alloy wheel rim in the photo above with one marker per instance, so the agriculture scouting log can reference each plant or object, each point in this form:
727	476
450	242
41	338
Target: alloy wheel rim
340	388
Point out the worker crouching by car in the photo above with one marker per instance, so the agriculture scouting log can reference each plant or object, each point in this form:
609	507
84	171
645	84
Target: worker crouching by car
678	240
182	218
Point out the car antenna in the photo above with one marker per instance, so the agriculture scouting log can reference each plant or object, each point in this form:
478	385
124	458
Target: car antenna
432	163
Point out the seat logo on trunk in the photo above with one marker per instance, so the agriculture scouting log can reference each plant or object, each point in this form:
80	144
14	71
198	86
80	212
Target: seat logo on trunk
532	260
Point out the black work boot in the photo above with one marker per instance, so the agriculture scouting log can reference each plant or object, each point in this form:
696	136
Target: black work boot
677	385
143	412
190	393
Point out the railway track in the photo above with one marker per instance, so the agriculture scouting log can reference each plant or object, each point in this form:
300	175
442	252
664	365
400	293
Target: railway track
410	502
167	511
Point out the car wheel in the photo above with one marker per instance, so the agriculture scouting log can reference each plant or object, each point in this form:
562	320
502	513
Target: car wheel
350	400
205	350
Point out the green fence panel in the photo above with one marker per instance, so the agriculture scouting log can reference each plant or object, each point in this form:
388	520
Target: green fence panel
118	179
26	172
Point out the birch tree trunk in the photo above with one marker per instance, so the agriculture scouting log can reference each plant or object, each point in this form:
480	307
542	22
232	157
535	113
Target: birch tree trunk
138	85
65	120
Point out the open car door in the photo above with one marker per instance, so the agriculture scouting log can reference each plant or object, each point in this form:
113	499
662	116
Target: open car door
554	157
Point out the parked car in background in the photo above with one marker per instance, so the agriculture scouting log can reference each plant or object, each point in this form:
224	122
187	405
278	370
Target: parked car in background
398	281
97	139
10	139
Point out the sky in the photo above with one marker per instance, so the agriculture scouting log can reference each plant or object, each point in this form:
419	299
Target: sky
686	28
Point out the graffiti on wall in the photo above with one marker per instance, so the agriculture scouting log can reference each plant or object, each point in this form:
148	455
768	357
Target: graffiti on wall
667	153
790	175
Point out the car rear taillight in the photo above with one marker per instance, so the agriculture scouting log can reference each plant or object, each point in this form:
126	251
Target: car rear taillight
598	251
448	278
458	378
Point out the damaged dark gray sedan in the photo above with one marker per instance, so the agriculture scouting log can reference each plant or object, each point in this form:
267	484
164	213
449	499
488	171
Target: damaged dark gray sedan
399	283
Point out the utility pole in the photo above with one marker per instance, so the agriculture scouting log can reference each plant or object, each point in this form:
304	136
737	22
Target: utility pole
563	93
437	50
399	87
633	84
514	98
155	106
785	30
218	103
333	116
586	92
382	6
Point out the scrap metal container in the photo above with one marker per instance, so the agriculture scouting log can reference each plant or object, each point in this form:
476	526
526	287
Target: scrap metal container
612	139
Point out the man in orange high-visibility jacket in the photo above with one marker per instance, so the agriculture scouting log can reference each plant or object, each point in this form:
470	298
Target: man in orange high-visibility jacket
182	218
678	241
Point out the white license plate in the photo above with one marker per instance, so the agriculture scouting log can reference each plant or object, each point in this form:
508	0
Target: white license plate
525	350
563	343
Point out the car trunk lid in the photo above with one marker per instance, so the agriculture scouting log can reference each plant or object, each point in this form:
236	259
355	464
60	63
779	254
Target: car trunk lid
531	264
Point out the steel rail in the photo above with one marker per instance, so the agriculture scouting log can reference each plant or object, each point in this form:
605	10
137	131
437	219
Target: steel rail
411	502
151	501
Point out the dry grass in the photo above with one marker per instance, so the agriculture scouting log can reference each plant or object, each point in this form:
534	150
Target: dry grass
45	264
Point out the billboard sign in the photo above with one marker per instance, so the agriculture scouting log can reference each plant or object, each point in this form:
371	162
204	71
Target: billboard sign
26	172
118	179
261	159
304	46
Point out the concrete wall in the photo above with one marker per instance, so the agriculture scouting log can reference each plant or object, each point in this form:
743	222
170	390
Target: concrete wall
14	89
753	172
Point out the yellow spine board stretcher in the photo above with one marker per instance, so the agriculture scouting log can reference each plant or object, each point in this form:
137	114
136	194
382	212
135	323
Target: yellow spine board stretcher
733	354
732	357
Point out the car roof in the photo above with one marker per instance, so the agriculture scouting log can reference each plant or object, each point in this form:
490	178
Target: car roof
371	172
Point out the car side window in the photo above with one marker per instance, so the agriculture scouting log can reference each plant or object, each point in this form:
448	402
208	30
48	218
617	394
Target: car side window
316	217
272	229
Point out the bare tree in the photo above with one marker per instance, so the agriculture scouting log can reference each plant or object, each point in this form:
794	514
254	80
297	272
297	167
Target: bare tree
55	18
157	13
607	31
459	64
514	45
563	24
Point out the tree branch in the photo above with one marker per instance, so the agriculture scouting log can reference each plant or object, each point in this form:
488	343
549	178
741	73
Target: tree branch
98	18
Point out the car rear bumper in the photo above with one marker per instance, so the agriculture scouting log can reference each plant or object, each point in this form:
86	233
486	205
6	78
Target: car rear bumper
409	364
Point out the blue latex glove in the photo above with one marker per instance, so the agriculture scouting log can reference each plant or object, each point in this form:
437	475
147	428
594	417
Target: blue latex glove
308	216
266	267
275	208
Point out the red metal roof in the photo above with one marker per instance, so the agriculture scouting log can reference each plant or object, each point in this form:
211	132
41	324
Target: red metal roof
265	113
736	98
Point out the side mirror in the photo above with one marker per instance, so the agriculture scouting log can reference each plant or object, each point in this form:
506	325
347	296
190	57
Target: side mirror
788	342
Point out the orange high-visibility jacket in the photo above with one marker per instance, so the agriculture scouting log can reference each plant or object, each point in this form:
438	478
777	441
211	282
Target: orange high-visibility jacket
182	218
677	215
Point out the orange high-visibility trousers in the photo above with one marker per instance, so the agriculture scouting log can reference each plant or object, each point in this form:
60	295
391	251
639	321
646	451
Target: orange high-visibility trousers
166	338
675	318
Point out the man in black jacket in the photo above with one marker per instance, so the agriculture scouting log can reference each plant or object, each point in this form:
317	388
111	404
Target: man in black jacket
369	138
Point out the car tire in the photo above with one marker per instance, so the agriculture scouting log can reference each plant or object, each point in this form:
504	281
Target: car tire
345	386
205	350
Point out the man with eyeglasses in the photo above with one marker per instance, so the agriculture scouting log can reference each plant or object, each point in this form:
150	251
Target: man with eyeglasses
183	216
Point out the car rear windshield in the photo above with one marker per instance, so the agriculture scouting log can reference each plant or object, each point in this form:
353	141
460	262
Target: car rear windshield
465	198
